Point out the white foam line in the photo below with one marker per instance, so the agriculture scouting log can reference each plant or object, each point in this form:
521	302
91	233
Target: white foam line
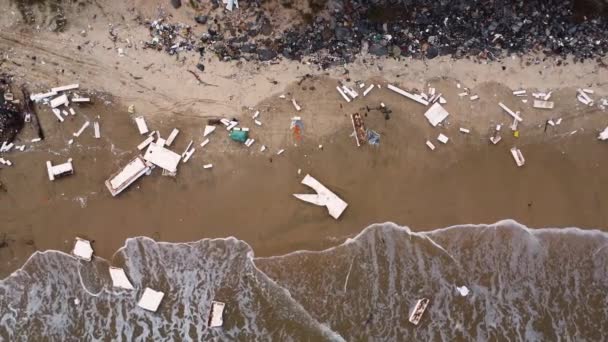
82	282
349	269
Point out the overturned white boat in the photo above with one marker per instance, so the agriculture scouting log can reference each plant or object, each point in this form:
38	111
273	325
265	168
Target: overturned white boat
127	175
216	314
324	197
419	309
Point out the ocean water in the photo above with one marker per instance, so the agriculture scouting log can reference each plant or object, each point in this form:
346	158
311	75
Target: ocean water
525	284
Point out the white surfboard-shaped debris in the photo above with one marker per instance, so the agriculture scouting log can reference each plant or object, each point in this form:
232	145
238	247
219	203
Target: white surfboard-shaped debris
324	197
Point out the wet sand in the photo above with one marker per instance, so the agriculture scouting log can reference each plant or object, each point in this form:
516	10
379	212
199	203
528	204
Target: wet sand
247	194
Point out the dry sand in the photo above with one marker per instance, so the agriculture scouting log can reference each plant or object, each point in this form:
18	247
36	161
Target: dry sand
248	193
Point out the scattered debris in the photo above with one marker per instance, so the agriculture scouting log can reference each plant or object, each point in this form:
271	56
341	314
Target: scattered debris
474	97
188	152
60	100
145	143
124	177
343	94
510	112
366	91
603	135
463	290
280	152
59	170
205	142
519	93
323	197
216	314
119	278
172	136
84	126
465	130
373	138
443	139
239	136
296	105
430	145
82	249
207	166
495	139
208	130
96	130
416	315
518	156
150	300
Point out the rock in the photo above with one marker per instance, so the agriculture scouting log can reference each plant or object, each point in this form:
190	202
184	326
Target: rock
266	54
200	66
395	51
176	3
201	19
432	52
378	49
342	33
249	48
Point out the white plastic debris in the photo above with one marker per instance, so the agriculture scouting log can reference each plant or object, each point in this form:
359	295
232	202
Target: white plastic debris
443	139
205	142
208	130
510	112
419	309
42	96
463	290
150	300
141	125
57	114
436	114
343	94
442	100
519	92
119	278
430	145
366	91
82	249
280	152
296	105
263	148
60	170
323	197
474	97
188	152
72	112
216	314
207	166
36	140
518	156
6	162
351	92
259	123
249	142
588	91
543	104
172	136
131	172
145	143
559	121
59	100
162	157
84	126
97	134
80	99
414	97
70	142
65	88
550	122
604	134
495	139
465	130
584	98
255	116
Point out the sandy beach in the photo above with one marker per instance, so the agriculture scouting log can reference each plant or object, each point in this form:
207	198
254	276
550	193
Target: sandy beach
248	192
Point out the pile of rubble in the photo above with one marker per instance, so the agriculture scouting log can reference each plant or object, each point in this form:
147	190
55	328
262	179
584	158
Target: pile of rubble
338	30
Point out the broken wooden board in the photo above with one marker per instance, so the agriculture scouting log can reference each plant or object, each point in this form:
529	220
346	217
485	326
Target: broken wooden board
419	309
359	127
414	97
543	104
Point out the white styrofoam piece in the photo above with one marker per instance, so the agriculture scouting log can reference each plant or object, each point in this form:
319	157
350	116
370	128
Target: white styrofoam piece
442	100
430	145
436	114
80	99
141	125
162	157
543	104
59	100
343	94
474	97
463	290
518	156
604	134
131	172
72	112
64	112
255	116
207	166
259	123
296	105
82	249
208	130
323	197
559	121
465	130
150	300
145	143
172	136
119	278
84	126
97	134
366	91
510	112
263	148
204	143
442	138
280	152
65	88
216	314
414	97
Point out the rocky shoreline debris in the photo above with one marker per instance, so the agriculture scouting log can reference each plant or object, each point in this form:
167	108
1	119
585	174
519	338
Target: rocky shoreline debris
334	32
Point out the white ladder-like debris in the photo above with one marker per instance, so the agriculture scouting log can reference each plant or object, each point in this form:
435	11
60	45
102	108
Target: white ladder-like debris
414	97
419	309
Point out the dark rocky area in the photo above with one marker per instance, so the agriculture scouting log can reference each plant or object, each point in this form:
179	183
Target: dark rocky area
333	32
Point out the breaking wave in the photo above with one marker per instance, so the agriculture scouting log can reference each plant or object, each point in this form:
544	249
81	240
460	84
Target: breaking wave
525	284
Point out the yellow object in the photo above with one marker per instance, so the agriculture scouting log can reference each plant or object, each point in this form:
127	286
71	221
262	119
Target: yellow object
131	109
516	134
